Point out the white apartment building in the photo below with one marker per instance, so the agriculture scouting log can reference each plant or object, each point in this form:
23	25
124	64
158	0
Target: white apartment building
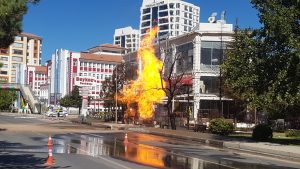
26	50
127	38
174	17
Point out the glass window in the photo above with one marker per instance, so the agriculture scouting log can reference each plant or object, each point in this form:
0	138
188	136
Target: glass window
163	27
147	10
146	17
164	20
14	65
18	52
3	72
17	59
144	24
171	5
162	14
4	58
163	7
18	38
18	45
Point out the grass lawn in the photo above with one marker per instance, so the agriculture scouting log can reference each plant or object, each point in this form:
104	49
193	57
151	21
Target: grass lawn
278	137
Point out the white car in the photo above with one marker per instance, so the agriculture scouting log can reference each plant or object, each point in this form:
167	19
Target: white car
51	113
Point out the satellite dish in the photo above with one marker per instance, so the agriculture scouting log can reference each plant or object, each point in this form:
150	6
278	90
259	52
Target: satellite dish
212	18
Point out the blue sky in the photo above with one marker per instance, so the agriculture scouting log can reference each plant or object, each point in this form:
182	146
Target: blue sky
80	24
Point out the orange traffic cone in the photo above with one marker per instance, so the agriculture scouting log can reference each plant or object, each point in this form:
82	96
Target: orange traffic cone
126	138
50	160
50	141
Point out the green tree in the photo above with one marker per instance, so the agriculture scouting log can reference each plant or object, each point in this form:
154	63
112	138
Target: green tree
66	101
6	99
72	100
119	79
263	65
11	16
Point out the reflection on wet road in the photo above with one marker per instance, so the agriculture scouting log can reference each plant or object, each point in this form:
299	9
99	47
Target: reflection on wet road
153	151
157	152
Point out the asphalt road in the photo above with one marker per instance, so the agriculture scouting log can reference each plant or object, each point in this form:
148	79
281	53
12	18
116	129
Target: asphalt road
105	149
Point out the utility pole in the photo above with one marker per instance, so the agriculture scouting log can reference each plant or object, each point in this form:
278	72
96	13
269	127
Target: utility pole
221	61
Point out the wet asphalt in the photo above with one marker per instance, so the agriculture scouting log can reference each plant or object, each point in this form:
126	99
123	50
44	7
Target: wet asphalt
114	150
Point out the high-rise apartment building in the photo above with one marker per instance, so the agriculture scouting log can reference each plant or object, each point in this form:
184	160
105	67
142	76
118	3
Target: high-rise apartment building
127	38
173	17
26	50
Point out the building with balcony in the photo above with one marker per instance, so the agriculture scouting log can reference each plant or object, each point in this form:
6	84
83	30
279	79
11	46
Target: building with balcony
202	52
26	50
127	38
173	17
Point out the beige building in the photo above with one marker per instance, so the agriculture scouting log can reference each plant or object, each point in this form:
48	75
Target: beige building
26	50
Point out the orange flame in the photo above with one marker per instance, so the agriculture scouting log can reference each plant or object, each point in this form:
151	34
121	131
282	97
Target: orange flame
147	89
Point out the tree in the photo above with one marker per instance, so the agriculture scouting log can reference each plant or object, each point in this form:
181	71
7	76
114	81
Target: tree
263	65
172	72
6	99
11	16
72	100
66	101
108	90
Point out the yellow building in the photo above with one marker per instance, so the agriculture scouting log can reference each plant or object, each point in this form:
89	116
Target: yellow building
26	49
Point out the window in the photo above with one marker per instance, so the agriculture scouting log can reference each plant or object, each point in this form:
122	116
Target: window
18	38
162	14
171	5
14	65
190	9
18	52
164	27
4	58
177	12
147	10
18	45
185	15
185	7
3	72
163	7
171	13
34	61
178	5
75	63
5	66
185	28
146	17
164	20
17	59
144	24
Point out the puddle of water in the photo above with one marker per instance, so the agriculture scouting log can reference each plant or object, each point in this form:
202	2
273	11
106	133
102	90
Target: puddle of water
143	154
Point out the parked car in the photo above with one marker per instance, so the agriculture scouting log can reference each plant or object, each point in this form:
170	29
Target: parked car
51	113
61	113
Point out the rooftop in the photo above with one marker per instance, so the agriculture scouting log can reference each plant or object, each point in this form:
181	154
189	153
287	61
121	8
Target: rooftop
102	57
30	35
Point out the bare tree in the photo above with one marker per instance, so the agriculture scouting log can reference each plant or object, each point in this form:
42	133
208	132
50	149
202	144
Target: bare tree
172	73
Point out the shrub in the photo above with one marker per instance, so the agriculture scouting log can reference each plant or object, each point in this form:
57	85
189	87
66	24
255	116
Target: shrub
292	133
220	126
262	132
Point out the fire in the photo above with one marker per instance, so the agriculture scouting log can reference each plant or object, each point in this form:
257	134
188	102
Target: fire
147	89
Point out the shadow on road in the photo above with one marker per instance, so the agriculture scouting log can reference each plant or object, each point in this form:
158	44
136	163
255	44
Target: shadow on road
18	160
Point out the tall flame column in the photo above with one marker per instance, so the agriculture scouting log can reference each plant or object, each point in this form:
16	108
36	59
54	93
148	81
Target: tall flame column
196	74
